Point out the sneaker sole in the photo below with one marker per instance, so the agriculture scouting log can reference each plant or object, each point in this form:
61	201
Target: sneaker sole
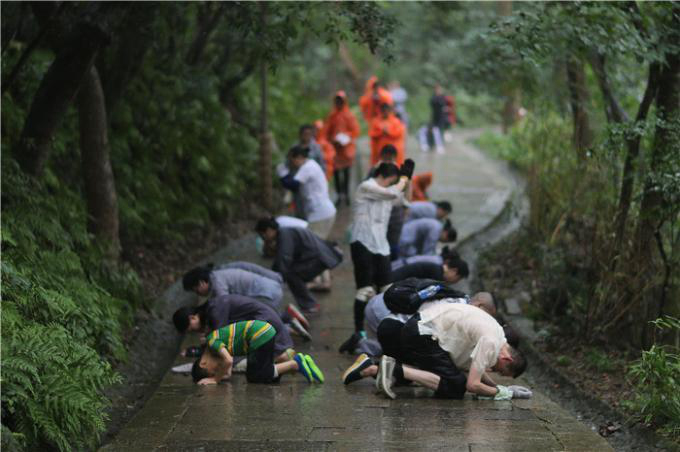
316	372
296	314
388	369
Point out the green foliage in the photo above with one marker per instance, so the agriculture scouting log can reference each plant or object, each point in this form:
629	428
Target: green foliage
657	385
599	361
60	323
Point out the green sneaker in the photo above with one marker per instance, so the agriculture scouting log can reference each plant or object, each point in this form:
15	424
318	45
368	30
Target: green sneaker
316	372
303	367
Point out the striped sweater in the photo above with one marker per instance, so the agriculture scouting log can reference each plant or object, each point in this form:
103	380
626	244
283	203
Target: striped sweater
241	337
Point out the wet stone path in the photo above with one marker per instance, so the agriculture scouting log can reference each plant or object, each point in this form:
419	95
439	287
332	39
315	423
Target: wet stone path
297	416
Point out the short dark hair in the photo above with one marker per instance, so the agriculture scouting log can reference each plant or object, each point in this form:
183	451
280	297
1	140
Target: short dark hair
511	336
298	151
196	275
451	233
197	372
388	150
449	252
387	170
519	362
266	223
304	127
444	205
457	263
181	318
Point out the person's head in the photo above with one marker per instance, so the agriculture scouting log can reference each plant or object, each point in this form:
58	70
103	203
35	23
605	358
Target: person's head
267	228
386	174
206	366
438	89
388	154
449	233
306	134
449	252
297	156
455	269
511	335
340	99
443	209
484	301
198	280
511	362
385	110
377	84
187	319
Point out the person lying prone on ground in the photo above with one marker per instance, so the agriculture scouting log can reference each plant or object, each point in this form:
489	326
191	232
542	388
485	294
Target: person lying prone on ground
254	339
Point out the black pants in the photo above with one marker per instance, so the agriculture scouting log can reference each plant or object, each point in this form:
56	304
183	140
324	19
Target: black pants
369	269
423	352
298	277
341	177
260	367
389	336
394	228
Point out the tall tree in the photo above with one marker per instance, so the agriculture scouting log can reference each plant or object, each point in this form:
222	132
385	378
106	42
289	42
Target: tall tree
55	94
100	186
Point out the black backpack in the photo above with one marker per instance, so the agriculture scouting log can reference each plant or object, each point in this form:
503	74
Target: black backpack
406	296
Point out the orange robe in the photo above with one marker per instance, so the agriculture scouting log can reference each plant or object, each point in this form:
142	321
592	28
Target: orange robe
342	121
327	148
370	106
419	185
386	131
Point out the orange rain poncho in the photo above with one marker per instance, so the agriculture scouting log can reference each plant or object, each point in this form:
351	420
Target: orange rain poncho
371	101
385	131
342	120
419	185
327	148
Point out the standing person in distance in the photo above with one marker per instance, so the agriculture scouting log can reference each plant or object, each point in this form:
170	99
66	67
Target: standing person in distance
341	129
387	129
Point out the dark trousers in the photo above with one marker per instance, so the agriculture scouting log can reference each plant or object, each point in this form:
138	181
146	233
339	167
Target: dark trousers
423	352
389	336
341	177
394	228
260	367
369	269
297	278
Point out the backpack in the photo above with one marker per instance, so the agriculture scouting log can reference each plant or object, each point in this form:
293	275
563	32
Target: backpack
406	296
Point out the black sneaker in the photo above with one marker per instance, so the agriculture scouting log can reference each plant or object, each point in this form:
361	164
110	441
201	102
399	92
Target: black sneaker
350	344
353	373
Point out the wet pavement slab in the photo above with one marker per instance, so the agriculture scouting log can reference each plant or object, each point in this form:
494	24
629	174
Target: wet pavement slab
296	416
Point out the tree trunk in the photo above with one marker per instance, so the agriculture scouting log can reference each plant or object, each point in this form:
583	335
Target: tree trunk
613	110
206	24
576	81
100	186
265	136
633	145
56	92
666	143
510	113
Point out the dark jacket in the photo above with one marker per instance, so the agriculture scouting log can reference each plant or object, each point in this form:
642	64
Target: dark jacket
300	248
420	270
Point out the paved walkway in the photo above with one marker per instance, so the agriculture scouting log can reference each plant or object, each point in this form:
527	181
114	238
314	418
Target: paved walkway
295	416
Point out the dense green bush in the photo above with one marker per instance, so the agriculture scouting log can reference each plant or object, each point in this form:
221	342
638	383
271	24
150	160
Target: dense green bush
62	316
656	378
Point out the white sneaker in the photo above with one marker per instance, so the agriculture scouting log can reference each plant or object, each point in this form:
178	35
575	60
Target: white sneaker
300	330
384	379
240	367
183	368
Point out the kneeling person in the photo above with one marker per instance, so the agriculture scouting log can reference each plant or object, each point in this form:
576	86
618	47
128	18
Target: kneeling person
254	339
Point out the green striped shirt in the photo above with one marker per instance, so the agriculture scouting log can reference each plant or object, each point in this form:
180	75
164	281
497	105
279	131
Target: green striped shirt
241	337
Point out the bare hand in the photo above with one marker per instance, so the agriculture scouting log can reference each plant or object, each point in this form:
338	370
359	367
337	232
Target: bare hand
207	381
